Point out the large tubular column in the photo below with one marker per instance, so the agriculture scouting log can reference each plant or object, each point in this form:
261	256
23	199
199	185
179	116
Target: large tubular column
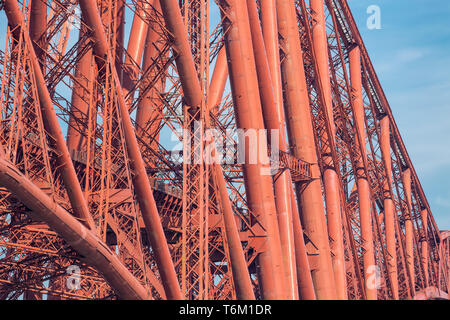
389	222
274	122
361	179
239	267
51	124
270	34
184	60
136	44
218	81
301	137
330	177
424	243
409	232
83	240
259	187
80	98
141	181
38	25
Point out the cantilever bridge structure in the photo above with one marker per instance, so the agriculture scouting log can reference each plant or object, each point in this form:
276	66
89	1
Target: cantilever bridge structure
95	205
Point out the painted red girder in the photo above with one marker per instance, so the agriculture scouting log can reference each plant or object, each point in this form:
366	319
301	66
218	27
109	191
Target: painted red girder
88	181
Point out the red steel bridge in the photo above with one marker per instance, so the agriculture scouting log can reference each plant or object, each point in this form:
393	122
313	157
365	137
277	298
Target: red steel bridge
94	203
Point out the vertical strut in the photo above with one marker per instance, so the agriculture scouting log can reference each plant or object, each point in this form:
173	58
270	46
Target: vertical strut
141	181
389	225
258	183
275	122
330	177
241	275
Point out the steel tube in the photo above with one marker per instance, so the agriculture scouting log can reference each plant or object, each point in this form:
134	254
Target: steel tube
51	124
424	243
361	178
239	267
304	278
301	138
136	44
330	178
409	231
84	74
218	81
38	27
185	62
273	122
258	185
148	109
270	33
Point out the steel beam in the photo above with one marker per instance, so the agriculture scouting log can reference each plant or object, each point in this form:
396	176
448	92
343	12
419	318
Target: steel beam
361	178
409	229
83	240
274	121
51	124
259	187
330	177
389	213
140	178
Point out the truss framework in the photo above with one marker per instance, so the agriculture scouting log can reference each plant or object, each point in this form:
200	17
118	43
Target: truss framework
343	216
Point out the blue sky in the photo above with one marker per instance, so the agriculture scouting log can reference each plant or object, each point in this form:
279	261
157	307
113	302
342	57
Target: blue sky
411	54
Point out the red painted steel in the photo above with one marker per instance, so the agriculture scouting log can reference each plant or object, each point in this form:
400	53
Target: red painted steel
51	124
301	137
340	214
389	223
77	235
244	86
141	182
274	120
